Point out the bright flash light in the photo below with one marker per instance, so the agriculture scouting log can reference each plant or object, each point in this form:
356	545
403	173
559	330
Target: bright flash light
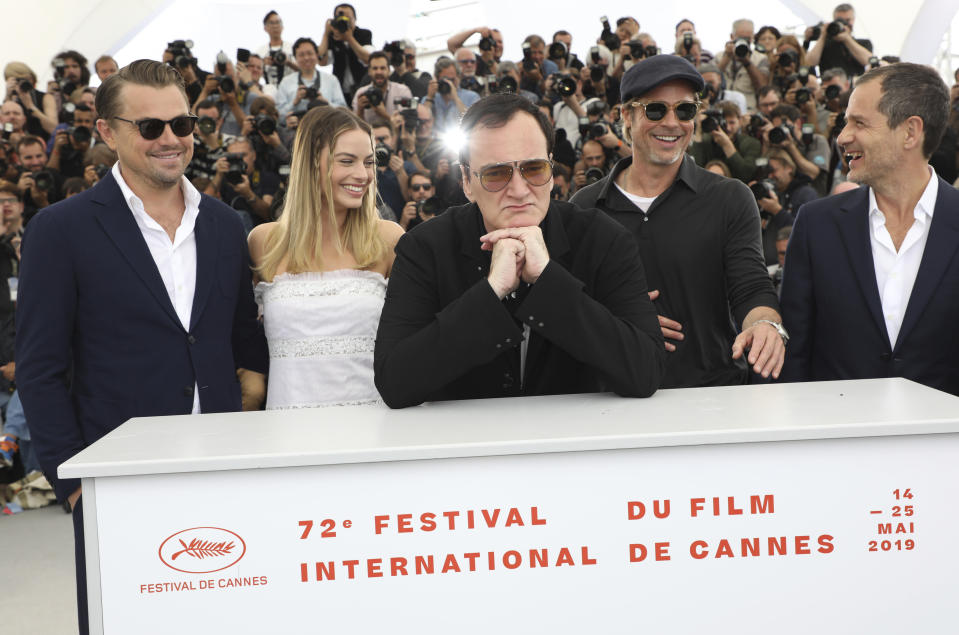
453	139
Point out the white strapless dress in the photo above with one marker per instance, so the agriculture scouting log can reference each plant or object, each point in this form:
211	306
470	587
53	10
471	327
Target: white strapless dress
320	327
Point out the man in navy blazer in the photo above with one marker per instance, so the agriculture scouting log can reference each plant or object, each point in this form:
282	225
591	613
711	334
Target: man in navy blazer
871	281
135	296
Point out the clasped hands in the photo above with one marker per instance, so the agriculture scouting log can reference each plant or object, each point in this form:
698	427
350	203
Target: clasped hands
519	253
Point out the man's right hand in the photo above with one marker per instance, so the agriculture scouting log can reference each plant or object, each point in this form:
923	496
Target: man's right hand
408	214
25	183
506	264
300	95
671	328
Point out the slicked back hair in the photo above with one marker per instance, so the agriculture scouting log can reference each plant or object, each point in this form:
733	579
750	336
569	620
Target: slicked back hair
142	73
912	90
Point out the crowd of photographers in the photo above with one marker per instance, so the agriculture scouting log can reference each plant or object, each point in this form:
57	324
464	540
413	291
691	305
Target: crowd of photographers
771	111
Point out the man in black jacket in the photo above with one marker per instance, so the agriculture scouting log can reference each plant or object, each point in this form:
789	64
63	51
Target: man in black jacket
513	294
698	235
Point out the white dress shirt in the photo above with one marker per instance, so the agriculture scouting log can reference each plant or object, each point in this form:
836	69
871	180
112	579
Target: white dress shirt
327	85
176	261
896	270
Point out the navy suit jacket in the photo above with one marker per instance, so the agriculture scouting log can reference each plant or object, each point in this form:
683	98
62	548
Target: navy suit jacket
98	339
831	305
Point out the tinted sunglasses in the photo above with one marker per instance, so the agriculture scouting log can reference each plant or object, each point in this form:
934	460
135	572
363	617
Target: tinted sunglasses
656	110
494	178
421	186
151	128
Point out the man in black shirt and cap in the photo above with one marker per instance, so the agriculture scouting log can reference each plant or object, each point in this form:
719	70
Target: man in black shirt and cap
698	235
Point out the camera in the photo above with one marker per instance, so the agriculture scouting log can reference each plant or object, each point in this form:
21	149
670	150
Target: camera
431	207
597	129
101	170
243	55
264	124
708	93
816	32
80	134
180	49
443	87
375	97
43	180
832	92
873	62
237	169
491	84
594	174
411	119
471	83
687	41
487	44
597	73
528	63
779	134
382	154
763	189
597	108
755	126
609	39
594	55
802	96
311	93
24	85
7	130
206	125
836	27
636	51
66	113
803	75
741	48
557	51
226	84
807	132
279	57
566	86
713	121
838	126
507	84
395	51
788	58
341	22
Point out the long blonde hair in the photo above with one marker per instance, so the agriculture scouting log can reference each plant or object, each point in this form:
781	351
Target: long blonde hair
298	234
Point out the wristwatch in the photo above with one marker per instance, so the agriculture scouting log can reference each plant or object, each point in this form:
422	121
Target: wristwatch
779	329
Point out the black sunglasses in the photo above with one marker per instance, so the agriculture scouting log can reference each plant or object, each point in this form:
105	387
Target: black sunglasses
421	186
656	110
152	128
494	178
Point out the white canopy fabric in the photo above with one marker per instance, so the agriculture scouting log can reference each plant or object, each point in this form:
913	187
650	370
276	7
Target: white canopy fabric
129	29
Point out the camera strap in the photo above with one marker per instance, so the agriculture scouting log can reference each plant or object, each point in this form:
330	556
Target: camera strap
316	81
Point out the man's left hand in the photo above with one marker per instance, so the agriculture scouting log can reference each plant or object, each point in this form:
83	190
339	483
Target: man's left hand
243	188
536	254
766	349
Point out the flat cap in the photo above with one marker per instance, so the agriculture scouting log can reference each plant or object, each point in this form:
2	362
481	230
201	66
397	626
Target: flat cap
649	73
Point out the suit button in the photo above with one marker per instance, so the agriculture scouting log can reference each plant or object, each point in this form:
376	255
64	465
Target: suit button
188	391
191	339
885	357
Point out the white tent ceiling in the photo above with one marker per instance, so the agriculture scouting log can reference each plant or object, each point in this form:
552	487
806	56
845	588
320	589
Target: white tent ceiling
129	29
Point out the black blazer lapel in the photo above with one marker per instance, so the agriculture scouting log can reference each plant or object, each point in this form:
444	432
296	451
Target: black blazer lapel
853	221
207	247
940	250
116	218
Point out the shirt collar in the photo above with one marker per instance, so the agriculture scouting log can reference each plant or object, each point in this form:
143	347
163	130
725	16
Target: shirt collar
191	196
924	208
688	174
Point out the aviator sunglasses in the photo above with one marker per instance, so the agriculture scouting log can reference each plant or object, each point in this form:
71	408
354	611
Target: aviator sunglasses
495	177
151	129
656	110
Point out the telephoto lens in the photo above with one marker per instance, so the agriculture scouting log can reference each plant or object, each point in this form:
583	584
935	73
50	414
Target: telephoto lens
265	124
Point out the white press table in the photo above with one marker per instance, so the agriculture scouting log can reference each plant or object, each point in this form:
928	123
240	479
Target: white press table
822	507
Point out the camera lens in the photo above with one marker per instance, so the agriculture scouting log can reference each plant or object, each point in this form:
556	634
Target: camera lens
802	96
207	125
486	44
265	124
593	175
777	135
596	73
227	85
507	84
566	86
43	180
81	134
25	85
742	48
443	88
557	51
835	28
710	125
382	155
832	91
375	97
279	58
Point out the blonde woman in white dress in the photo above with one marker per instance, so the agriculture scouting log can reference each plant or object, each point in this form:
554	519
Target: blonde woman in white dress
322	267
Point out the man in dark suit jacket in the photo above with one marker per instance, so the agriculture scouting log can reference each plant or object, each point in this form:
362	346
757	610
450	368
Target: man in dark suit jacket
511	294
871	281
135	296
